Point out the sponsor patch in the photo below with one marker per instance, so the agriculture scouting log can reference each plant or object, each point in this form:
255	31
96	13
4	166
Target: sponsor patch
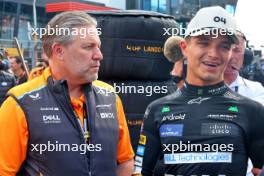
137	170
138	161
51	119
217	90
209	157
229	117
165	109
218	129
172	117
171	130
142	139
198	100
105	115
233	109
140	150
35	96
104	106
49	108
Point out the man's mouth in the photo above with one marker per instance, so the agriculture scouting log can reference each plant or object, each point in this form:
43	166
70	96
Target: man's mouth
210	64
96	66
234	68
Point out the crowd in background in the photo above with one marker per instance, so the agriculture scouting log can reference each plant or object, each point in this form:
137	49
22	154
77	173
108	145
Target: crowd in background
13	73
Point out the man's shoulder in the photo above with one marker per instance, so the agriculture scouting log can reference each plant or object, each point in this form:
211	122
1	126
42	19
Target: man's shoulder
252	89
242	100
166	100
5	74
103	88
252	83
103	85
28	87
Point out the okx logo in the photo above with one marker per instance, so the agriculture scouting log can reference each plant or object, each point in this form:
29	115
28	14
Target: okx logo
107	115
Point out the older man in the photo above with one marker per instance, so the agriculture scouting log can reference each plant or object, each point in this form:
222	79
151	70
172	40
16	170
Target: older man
64	122
248	88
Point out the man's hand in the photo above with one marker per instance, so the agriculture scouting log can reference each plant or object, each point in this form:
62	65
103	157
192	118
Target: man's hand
126	168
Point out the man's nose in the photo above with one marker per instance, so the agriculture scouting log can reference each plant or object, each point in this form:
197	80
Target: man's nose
98	54
213	52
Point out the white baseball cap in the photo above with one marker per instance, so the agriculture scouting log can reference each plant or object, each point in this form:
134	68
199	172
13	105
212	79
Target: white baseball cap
210	19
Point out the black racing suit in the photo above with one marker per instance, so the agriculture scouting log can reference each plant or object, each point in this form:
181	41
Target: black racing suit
199	131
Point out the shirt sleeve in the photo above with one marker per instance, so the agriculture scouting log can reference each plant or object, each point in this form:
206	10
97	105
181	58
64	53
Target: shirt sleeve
13	137
125	151
149	146
256	141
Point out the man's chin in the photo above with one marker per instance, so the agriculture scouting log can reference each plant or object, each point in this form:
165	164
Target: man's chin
87	80
212	78
92	78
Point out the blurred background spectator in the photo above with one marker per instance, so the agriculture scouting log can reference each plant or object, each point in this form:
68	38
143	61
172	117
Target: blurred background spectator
7	80
18	69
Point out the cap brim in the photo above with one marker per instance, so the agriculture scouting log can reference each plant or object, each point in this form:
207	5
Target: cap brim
234	39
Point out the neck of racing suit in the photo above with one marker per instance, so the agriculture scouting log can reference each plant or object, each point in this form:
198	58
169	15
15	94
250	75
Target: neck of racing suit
216	89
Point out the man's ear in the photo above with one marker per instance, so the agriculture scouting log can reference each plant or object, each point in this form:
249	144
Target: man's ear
58	50
183	46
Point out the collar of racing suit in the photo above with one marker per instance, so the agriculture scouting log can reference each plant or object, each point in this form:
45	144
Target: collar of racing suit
216	89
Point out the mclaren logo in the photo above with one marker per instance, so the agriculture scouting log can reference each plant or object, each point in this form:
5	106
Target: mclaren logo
103	106
198	100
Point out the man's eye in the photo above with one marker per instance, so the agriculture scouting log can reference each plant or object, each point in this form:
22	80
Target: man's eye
88	47
237	50
226	46
203	43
